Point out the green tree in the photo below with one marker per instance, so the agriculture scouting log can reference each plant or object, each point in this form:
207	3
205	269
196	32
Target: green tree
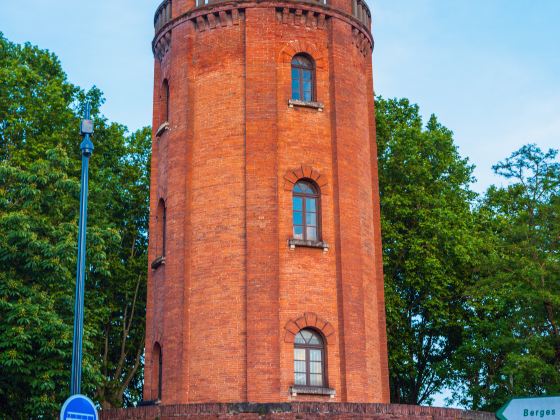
427	246
39	198
120	201
512	345
37	255
35	103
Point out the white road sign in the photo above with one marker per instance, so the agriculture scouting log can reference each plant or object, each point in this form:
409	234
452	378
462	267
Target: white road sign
546	408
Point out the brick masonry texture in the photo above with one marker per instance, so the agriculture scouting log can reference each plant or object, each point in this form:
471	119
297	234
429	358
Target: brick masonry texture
230	290
293	411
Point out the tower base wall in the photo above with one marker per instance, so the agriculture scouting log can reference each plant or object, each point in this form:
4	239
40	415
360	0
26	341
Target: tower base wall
292	411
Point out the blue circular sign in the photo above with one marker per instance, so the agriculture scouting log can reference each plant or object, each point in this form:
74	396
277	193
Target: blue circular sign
78	407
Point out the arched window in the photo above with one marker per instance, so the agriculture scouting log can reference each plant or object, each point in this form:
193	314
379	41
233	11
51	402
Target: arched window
157	370
161	223
165	101
309	359
303	78
306	211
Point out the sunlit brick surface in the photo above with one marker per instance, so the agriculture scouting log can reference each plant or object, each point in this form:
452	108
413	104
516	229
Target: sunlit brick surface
230	288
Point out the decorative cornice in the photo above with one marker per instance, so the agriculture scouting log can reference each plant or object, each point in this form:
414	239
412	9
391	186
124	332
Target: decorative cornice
301	17
163	45
223	18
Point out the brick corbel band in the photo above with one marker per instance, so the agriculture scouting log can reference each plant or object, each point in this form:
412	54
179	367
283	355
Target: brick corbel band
294	175
308	320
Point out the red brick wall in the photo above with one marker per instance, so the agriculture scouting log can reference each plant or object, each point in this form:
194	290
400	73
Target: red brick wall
230	285
216	346
337	411
261	215
180	7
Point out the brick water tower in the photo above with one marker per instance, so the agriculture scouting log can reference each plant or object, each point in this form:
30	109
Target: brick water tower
266	280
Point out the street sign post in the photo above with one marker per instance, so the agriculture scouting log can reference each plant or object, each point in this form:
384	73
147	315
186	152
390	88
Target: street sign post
78	407
547	408
86	129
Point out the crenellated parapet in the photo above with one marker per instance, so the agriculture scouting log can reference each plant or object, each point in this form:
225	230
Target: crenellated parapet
360	10
211	14
163	15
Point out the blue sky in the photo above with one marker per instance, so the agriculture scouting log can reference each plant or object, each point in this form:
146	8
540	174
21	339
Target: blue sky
489	69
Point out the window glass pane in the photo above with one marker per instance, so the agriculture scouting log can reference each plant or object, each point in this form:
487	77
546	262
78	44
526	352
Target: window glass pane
299	354
316	340
304	187
295	84
301	61
306	75
311	219
315	355
298	232
307	335
310	204
295	93
307	96
307	87
297	203
299	379
314	367
316	380
299	366
311	234
298	218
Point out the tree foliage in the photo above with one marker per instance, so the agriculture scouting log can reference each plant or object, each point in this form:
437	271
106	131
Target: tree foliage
39	203
472	283
512	341
427	246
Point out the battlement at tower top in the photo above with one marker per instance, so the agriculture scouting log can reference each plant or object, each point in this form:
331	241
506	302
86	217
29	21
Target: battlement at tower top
212	14
166	12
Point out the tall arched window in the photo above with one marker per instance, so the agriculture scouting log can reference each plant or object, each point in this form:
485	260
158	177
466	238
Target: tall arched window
165	101
309	359
161	223
306	211
303	78
157	370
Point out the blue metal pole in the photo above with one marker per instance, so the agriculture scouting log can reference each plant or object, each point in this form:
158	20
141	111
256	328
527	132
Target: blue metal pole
87	150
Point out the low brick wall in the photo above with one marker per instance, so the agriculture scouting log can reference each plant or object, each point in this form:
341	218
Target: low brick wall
292	411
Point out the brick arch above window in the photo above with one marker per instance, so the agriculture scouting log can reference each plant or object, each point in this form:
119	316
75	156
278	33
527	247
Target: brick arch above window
296	47
309	320
292	176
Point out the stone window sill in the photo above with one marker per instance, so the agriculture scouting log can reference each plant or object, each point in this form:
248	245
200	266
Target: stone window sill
157	262
293	243
311	390
306	104
162	129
